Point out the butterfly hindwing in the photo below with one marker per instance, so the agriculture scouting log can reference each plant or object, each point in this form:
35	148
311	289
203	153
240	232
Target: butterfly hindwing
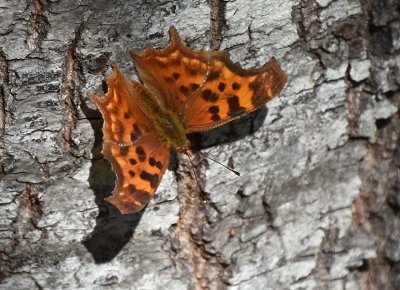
139	169
138	157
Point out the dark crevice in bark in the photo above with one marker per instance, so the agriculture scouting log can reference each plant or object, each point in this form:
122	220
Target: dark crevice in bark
38	286
71	92
353	106
29	214
4	89
306	17
372	212
2	110
39	26
218	22
376	208
187	241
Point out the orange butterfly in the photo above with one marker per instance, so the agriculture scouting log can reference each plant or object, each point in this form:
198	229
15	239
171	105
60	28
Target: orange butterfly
184	91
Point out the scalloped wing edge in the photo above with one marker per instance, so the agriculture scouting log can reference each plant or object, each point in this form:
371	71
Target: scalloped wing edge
116	199
174	43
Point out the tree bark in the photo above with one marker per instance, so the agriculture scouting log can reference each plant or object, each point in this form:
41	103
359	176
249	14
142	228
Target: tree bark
318	201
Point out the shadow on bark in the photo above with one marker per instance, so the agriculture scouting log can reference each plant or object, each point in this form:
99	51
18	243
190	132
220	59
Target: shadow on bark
113	229
230	132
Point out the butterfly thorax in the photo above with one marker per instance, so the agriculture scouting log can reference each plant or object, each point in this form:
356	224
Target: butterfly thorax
171	127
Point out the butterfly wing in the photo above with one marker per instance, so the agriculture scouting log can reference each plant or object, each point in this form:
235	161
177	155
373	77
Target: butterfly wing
124	121
230	92
172	74
207	86
139	169
136	154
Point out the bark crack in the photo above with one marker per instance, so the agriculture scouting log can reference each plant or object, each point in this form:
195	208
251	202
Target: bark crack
39	26
218	22
4	91
207	270
29	214
71	92
377	209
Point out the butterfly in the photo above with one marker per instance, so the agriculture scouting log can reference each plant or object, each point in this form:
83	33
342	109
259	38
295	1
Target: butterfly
183	91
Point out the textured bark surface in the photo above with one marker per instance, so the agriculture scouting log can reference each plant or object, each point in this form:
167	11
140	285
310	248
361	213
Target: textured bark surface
318	202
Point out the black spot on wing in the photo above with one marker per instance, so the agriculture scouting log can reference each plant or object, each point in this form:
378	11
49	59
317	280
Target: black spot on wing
221	87
141	153
234	107
131	173
132	161
213	75
124	150
134	137
235	86
151	178
213	109
127	115
194	86
159	165
184	90
137	129
152	161
209	96
176	75
215	117
155	163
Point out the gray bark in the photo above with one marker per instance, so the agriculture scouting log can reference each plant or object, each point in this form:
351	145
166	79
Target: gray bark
318	202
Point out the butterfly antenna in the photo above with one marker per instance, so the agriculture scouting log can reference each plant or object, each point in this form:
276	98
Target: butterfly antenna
227	167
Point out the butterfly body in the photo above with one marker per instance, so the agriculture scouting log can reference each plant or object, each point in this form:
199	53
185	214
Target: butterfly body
171	127
184	91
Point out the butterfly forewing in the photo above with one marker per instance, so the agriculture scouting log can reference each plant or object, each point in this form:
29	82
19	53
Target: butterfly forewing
173	73
230	92
124	121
